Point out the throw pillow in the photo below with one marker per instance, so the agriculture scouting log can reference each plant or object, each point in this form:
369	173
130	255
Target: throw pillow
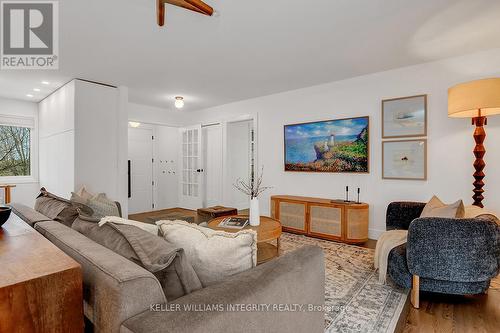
214	255
59	209
102	206
478	212
168	263
84	194
436	208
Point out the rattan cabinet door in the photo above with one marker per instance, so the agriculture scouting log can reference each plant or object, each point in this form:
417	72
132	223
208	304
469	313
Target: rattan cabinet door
293	215
325	221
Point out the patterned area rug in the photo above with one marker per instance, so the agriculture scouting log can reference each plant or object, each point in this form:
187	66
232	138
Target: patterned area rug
358	302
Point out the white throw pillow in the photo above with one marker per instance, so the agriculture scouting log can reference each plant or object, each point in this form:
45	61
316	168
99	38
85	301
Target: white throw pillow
214	254
436	208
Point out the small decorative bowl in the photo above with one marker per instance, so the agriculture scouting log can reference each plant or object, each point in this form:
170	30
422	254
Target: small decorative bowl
4	214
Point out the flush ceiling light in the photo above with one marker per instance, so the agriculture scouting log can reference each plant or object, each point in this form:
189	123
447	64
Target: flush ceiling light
29	95
36	89
194	5
179	102
46	83
134	124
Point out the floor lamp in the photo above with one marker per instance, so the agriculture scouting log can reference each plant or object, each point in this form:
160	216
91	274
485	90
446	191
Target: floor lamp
476	100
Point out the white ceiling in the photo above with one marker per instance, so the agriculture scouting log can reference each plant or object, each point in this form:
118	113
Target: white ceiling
255	47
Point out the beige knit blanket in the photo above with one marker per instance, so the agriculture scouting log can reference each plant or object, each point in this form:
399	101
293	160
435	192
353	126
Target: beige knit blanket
388	241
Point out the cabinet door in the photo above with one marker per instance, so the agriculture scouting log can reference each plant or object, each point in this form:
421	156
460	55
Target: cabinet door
325	221
292	215
357	225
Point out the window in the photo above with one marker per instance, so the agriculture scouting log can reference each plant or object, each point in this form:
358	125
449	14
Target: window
15	151
16	147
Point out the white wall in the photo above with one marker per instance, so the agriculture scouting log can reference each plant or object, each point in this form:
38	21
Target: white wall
154	115
25	192
96	138
450	140
166	150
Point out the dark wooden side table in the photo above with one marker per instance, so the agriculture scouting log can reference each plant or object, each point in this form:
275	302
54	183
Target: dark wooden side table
40	286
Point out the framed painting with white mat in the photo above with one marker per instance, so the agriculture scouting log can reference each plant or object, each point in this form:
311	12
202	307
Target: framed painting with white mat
404	159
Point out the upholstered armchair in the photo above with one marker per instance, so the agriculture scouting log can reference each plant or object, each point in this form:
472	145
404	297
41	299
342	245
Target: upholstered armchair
449	256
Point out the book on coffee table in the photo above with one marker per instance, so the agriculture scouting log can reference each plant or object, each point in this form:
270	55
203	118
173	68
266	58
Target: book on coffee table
234	223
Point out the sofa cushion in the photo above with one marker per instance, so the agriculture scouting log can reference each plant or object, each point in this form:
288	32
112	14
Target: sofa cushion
114	289
214	255
28	215
59	209
436	208
168	263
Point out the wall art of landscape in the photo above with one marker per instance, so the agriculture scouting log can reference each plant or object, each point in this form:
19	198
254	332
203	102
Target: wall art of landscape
328	146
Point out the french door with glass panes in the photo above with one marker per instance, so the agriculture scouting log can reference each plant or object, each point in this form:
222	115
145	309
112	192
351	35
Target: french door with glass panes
191	180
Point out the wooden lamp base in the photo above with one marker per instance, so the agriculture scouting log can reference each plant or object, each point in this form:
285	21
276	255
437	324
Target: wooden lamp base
479	164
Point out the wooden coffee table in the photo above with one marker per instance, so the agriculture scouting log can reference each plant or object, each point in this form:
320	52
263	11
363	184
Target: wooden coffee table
268	231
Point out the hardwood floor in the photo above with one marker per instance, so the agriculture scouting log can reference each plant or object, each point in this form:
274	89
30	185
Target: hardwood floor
438	313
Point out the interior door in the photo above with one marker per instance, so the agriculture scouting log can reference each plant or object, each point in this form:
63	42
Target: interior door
191	167
140	154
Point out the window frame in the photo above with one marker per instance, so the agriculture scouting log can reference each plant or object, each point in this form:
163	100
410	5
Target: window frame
22	121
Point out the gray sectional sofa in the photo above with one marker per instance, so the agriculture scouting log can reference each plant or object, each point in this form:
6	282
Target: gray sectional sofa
121	296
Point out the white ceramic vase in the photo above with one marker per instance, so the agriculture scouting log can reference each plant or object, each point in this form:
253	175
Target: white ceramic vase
254	212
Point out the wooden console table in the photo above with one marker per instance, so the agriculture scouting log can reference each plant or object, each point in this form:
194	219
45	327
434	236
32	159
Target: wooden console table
323	218
40	286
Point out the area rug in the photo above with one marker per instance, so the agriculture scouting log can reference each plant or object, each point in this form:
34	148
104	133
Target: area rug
355	300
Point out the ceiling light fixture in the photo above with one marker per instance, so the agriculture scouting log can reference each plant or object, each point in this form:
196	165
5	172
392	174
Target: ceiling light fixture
134	124
36	89
29	95
46	83
194	5
179	102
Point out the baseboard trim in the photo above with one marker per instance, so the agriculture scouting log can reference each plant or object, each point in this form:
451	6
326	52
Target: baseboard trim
375	233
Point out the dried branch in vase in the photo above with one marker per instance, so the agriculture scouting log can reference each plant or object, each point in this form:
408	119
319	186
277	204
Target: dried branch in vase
253	187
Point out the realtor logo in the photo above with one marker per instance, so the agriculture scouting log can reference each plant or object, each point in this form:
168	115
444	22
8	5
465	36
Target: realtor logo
30	36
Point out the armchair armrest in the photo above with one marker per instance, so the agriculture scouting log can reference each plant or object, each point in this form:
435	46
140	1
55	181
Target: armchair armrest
295	278
460	250
400	214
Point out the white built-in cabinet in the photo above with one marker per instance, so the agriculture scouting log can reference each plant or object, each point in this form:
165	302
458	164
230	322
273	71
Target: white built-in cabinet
83	140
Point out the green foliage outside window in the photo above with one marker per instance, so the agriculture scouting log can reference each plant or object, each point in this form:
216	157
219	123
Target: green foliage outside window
15	145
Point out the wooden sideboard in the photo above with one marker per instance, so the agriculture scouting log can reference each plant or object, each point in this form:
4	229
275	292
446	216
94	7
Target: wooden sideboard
40	286
323	218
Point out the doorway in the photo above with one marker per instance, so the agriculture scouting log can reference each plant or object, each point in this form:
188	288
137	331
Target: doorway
240	160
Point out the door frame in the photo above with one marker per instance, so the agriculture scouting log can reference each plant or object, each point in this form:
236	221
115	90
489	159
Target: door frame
226	183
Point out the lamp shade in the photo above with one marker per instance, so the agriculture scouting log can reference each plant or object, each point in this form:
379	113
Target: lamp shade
466	99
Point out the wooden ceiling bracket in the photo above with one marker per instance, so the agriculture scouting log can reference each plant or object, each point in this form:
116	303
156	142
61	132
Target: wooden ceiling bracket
194	5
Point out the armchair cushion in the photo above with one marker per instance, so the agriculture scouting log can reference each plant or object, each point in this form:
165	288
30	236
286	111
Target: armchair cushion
460	250
399	273
400	214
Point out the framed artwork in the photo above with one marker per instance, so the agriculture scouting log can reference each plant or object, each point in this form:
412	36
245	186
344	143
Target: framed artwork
340	145
404	117
406	159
